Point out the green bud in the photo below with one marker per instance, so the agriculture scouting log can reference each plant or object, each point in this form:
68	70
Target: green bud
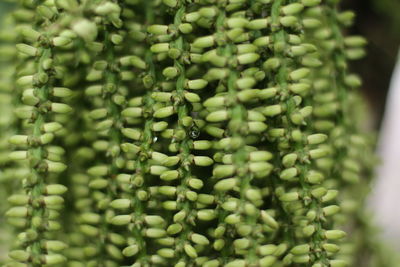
196	84
309	230
164	112
55	189
101	170
155	233
120	203
20	212
260	166
299	74
206	199
288	174
54	245
131	133
195	183
202	161
199	239
18	140
53	200
226	184
30	34
292	9
267	261
271	64
159	48
54	259
204	42
257	24
236	263
334	234
159	126
130	148
236	22
248	58
310	3
174	229
301	259
133	112
217	116
246	48
300	249
289	197
316	139
170	205
158	29
169	175
154	220
61	92
355	41
262	41
202	145
255	116
192	97
318	153
131	250
46	138
60	108
353	80
288	21
18	199
314	177
232	219
266	249
190	251
269	220
170	3
331	210
318	192
245	83
185	28
121	220
206	214
221	171
19	255
241	243
166	253
219	244
157	170
167	190
25	80
18	155
330	195
192	17
211	263
332	248
260	156
273	110
27	50
170	72
61	41
338	263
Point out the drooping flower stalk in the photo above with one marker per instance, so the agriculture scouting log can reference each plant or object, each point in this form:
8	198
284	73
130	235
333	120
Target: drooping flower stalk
203	133
38	208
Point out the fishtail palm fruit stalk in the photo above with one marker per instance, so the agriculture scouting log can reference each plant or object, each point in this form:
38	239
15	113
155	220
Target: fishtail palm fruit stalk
10	173
36	208
196	133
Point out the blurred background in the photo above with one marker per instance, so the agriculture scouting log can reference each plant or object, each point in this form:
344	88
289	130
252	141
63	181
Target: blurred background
379	22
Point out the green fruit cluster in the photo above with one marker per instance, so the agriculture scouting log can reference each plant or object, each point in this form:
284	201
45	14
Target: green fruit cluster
183	133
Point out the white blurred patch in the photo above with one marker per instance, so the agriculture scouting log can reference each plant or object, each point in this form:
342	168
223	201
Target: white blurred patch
385	197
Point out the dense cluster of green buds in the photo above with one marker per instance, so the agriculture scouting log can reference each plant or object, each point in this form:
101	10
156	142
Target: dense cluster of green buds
182	133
